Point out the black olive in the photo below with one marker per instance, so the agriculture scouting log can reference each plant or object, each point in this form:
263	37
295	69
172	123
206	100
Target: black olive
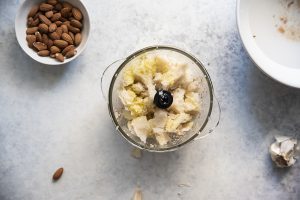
163	99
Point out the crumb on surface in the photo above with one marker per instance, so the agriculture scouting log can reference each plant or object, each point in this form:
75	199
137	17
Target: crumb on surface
281	29
136	153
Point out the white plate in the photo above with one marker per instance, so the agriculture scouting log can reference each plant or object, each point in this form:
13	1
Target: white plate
276	53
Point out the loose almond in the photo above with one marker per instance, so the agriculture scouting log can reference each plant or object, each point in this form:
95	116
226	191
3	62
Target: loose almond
76	23
56	17
44	53
35	22
60	43
67	5
31	30
38	36
29	21
45	7
71	53
58	23
73	29
37	15
54	36
49	14
45	39
54	50
78	39
58	173
33	11
66	37
44	19
67	23
30	40
40	46
68	48
59	31
43	28
72	35
77	14
66	12
52	2
50	44
52	27
64	28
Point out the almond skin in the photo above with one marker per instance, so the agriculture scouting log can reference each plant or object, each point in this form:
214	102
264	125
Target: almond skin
77	14
45	7
52	27
44	53
76	23
58	173
33	11
54	36
56	17
68	48
70	53
31	30
40	46
66	37
78	39
49	14
73	29
30	40
44	19
60	43
38	36
43	28
54	50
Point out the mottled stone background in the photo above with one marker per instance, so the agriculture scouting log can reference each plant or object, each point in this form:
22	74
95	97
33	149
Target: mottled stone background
55	116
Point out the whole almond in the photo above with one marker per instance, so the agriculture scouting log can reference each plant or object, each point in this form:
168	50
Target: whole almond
54	50
66	23
43	28
71	18
29	21
49	14
44	19
54	36
59	31
56	17
52	27
45	7
60	43
38	36
52	2
58	6
64	28
60	58
31	30
73	29
70	53
64	19
50	44
68	48
66	37
44	53
67	5
33	11
77	14
58	173
40	46
76	23
37	15
78	39
58	23
35	22
30	40
65	12
45	39
72	35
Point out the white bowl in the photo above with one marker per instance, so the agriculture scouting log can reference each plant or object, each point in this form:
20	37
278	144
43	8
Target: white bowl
275	53
21	26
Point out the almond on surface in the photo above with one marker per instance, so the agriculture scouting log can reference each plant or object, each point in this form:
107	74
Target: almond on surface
57	174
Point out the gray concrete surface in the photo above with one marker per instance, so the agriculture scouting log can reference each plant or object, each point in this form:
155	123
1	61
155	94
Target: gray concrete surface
55	116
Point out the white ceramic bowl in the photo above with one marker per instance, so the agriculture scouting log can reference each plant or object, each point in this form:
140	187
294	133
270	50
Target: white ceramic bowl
261	25
21	26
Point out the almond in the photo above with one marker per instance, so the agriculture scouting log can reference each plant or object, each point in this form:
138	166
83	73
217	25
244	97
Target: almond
45	7
29	21
44	19
64	28
65	12
59	31
37	15
73	29
40	46
60	58
52	27
44	53
72	35
30	40
43	28
68	48
64	19
54	50
58	173
32	30
66	37
52	2
38	36
49	14
33	11
78	39
56	17
45	39
54	36
58	23
67	5
66	23
71	53
52	55
35	22
58	6
50	43
76	23
60	43
77	14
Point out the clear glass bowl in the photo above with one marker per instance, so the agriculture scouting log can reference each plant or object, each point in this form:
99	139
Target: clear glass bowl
205	122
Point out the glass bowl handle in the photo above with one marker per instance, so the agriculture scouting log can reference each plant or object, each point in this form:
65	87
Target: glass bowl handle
107	76
213	120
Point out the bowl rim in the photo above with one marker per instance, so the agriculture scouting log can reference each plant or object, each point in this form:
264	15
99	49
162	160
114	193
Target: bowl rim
123	64
83	47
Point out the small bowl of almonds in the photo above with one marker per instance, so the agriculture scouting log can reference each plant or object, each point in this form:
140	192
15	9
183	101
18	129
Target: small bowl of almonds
52	32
